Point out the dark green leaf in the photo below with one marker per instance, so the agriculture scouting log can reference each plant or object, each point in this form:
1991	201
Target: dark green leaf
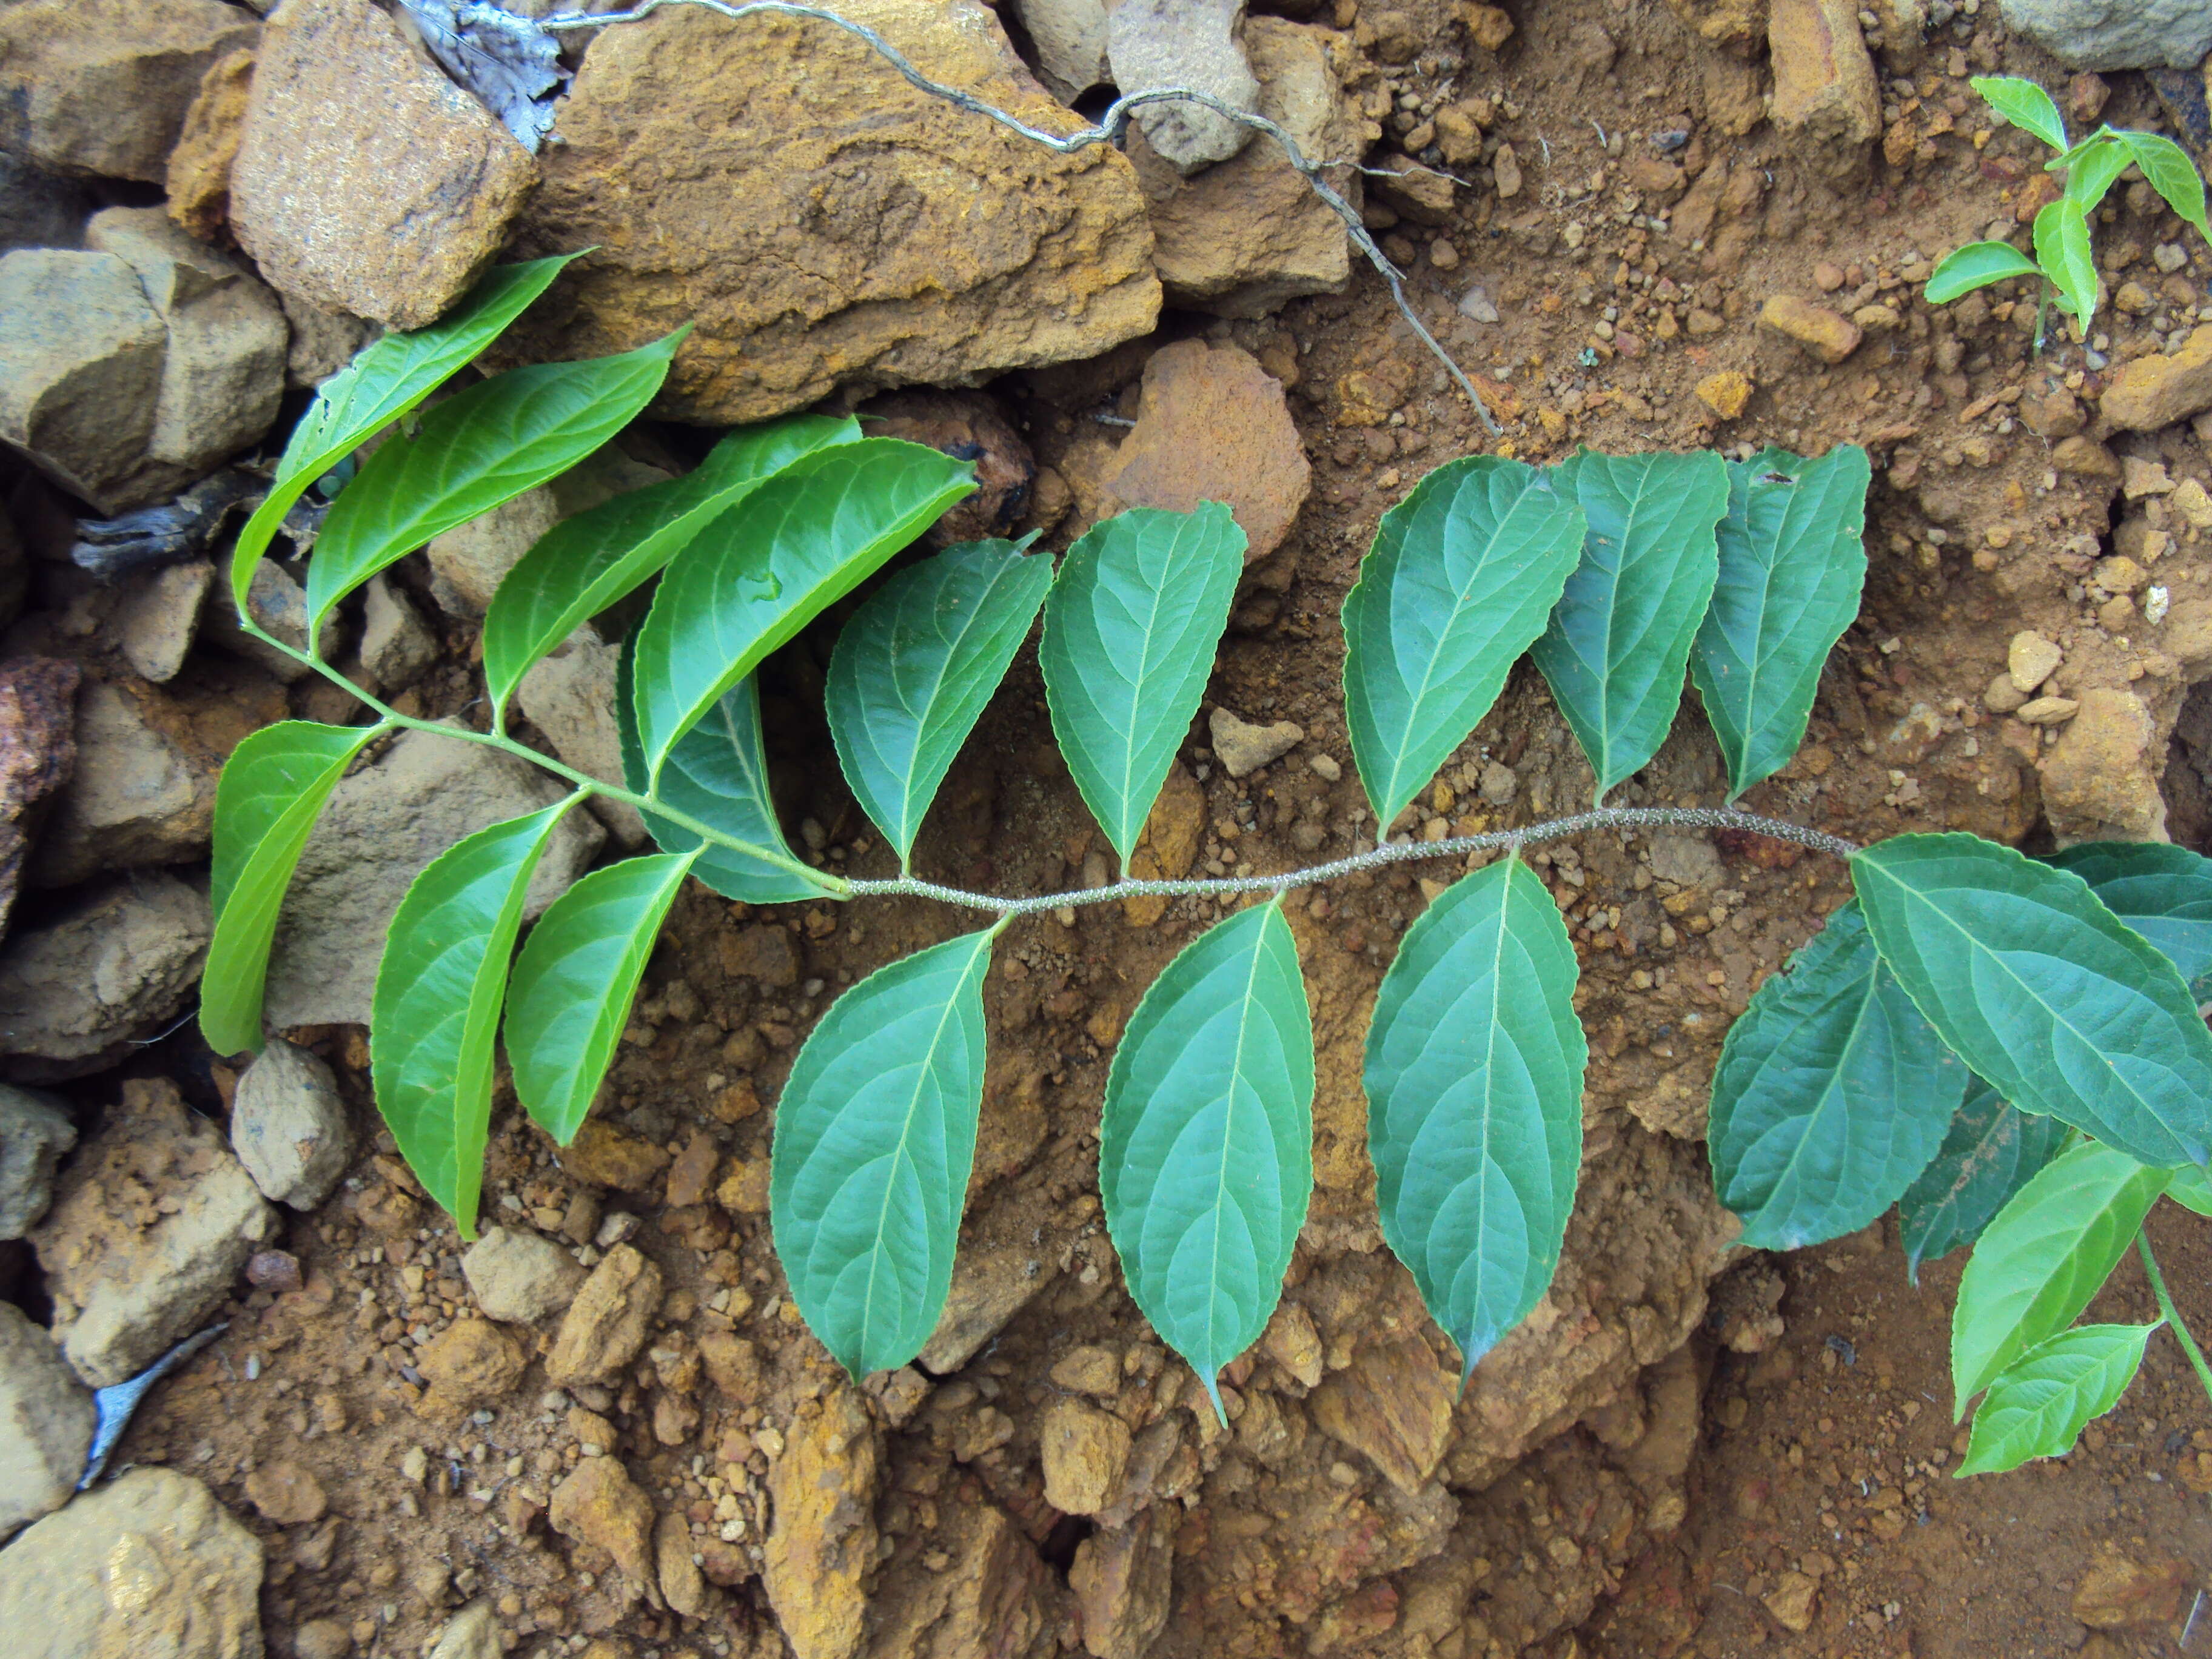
585	563
2162	891
1619	636
1130	628
477	449
1206	1146
1977	264
265	803
1462	576
2046	1256
436	1008
1832	1094
762	571
875	1136
2172	174
1474	1102
2025	105
2038	987
1792	566
1990	1153
915	667
574	983
2041	1403
383	382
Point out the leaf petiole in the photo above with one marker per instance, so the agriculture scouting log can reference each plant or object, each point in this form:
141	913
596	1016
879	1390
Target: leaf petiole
2173	1313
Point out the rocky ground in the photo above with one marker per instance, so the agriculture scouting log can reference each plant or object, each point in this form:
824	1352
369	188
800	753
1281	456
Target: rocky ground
601	1430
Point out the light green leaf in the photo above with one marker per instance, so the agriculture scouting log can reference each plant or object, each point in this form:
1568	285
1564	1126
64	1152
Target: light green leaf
875	1137
383	382
754	577
1474	1102
265	804
915	667
1832	1094
717	774
1462	576
2172	174
2044	1256
2038	987
1792	564
1619	636
1130	628
2041	1403
477	449
2162	891
1977	264
1990	1153
2191	1190
1206	1145
2061	248
585	563
2090	175
437	1007
2025	105
574	983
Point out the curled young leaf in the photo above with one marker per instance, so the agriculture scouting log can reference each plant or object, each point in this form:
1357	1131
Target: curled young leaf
1990	1153
1977	264
1832	1094
2038	1405
875	1136
1206	1145
266	805
1130	630
1475	1092
1462	576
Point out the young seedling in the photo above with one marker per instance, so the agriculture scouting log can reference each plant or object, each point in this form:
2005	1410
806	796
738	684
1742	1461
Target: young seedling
2064	257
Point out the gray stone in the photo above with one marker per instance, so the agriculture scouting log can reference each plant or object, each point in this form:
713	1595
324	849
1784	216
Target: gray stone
472	1633
80	356
224	374
323	341
132	1278
34	1132
397	646
45	1423
569	695
366	181
117	966
990	1284
467	564
1194	45
137	796
1070	38
2116	34
519	1276
288	1128
158	618
37	209
150	1564
380	827
102	87
1244	748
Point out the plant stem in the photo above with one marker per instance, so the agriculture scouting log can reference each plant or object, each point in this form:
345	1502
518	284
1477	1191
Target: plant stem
2042	316
2173	1314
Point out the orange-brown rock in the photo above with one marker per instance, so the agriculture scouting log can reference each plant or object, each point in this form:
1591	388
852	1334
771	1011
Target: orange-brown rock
606	1324
199	167
823	1540
1824	78
599	1505
2153	392
1393	1405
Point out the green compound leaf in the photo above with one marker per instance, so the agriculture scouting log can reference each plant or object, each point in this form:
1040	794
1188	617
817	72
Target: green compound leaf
477	449
2092	169
1792	564
2025	105
265	804
719	776
2172	174
875	1136
1475	1091
1832	1094
1990	1153
383	382
585	563
1619	636
574	983
915	667
2041	1403
2046	1256
1206	1146
2162	891
2067	1011
1130	628
762	571
1977	264
1458	584
2061	248
437	1007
